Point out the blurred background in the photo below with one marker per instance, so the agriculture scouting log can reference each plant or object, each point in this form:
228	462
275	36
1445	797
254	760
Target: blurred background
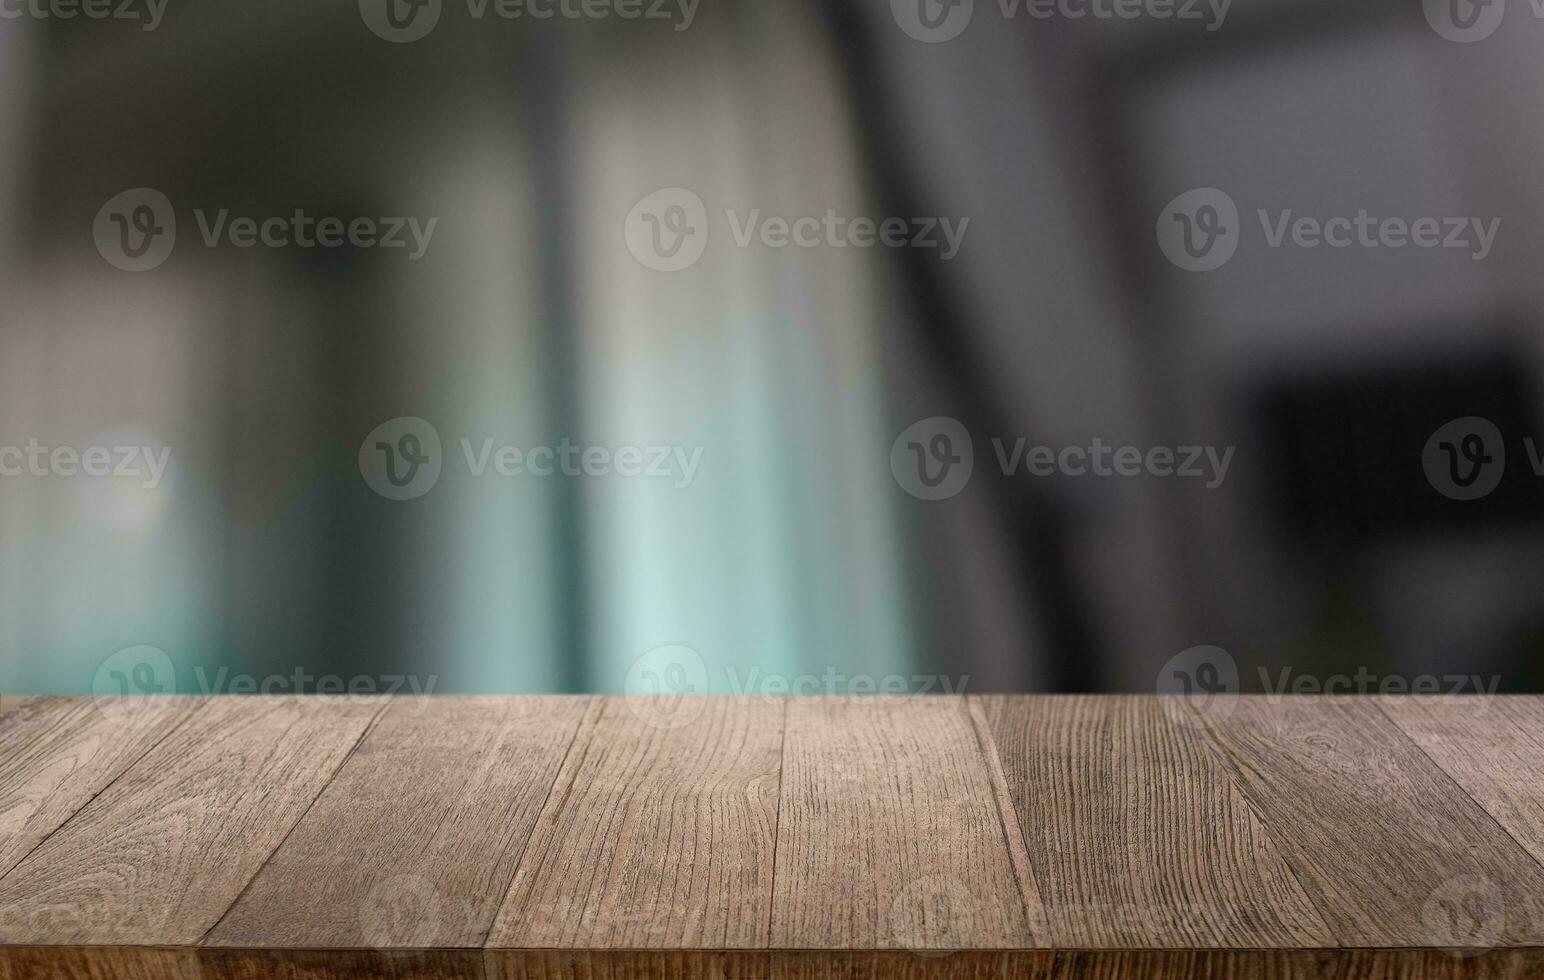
800	548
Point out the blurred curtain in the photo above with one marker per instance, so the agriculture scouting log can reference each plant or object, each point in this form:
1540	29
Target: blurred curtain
527	322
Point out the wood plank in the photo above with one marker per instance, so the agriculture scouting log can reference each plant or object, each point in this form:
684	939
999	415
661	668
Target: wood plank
415	842
659	833
187	963
1379	836
550	964
1493	747
891	832
158	858
58	753
97	963
107	963
1385	964
10	702
1136	835
339	964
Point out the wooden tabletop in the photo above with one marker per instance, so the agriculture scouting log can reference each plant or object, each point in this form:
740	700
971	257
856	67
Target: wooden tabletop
926	837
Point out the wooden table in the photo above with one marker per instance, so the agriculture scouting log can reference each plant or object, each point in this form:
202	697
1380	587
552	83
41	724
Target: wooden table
595	838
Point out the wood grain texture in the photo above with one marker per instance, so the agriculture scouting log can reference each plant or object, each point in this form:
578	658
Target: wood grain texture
146	963
1161	965
98	963
1338	964
891	834
159	856
1493	747
806	839
1136	835
339	964
1390	849
414	843
11	702
58	753
659	833
628	965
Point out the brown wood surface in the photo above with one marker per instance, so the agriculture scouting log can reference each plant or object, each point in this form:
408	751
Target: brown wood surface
1390	848
1507	777
811	839
1137	836
161	854
891	834
416	838
658	835
56	754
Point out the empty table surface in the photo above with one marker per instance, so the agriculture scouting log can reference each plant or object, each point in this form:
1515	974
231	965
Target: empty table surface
923	837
